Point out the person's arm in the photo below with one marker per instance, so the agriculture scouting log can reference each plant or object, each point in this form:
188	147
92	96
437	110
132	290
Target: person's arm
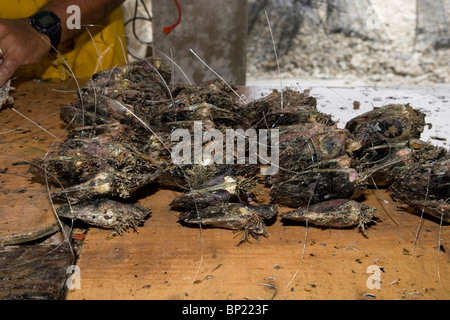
91	12
22	44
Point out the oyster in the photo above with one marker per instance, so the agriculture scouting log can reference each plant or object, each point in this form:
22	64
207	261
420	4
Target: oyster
311	145
338	213
317	185
214	92
235	216
106	213
191	176
219	190
78	160
125	83
221	118
116	95
105	185
426	186
389	124
298	107
384	163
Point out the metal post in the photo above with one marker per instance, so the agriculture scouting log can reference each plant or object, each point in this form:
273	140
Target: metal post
215	30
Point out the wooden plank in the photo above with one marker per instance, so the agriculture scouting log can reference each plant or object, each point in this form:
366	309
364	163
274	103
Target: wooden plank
167	260
35	272
25	210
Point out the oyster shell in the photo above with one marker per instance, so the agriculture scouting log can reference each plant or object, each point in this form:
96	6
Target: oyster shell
317	185
338	213
106	213
426	187
235	216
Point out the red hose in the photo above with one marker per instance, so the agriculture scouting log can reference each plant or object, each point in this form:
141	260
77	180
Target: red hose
167	30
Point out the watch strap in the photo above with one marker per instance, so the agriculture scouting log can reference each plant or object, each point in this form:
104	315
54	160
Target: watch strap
53	31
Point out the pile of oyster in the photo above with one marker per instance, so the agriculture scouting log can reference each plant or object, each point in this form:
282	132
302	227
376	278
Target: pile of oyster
121	139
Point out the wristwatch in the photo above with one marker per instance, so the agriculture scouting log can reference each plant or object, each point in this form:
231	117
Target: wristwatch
48	23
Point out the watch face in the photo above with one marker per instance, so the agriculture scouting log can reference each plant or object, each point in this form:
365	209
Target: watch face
46	21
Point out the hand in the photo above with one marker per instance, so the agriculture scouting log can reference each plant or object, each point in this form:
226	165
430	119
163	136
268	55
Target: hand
21	44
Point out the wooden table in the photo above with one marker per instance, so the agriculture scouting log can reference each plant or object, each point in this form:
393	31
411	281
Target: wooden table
35	269
167	260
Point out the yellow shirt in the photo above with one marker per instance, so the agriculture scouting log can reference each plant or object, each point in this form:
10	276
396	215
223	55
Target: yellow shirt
103	47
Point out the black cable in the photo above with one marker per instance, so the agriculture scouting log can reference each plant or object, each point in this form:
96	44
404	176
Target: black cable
135	18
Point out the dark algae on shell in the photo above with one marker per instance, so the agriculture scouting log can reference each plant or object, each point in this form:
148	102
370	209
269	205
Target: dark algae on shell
415	172
338	213
426	187
106	213
391	123
297	107
235	216
317	185
219	190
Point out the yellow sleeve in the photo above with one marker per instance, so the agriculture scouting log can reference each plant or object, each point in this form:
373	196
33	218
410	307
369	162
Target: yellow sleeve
18	9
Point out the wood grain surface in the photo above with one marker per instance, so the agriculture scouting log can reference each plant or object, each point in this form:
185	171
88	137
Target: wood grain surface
167	260
25	210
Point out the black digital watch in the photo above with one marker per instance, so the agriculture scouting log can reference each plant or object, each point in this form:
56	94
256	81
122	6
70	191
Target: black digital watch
48	23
